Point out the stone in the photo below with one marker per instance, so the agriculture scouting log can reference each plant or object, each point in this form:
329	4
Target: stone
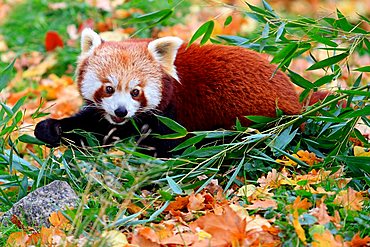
36	208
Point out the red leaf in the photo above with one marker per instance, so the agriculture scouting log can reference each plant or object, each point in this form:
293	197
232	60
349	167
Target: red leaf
52	41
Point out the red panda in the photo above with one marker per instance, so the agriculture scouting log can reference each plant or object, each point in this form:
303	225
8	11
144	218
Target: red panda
201	87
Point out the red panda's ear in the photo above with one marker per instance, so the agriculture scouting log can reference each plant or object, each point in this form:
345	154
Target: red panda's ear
164	51
89	41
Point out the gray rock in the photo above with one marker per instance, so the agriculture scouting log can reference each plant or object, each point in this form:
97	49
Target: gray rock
36	207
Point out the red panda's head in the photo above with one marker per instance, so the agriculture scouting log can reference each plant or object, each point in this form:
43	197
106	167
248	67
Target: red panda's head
124	78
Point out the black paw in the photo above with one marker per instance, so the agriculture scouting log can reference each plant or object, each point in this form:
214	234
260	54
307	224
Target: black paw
49	131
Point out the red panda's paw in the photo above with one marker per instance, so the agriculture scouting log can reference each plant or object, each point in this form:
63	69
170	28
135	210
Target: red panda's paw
49	131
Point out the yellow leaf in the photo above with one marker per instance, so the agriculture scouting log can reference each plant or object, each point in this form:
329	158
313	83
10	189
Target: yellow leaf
361	151
41	68
246	190
114	238
297	226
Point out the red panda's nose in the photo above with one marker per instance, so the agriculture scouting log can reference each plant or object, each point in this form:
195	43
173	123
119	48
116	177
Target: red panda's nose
121	111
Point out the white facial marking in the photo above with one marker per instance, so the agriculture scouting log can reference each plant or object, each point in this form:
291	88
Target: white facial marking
133	83
90	85
110	104
153	95
113	80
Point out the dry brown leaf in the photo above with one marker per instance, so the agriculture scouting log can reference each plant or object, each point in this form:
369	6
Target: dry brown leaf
349	199
179	203
145	237
196	202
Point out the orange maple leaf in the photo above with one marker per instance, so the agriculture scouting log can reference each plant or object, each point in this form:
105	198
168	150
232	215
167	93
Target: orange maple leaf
357	241
227	229
326	239
303	155
300	204
349	199
179	203
17	239
58	220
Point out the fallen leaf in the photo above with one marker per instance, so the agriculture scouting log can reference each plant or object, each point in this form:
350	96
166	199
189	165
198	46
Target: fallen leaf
297	226
361	151
357	241
145	237
114	238
308	158
326	239
300	204
17	239
272	179
52	41
40	69
179	203
246	190
349	199
227	229
58	220
263	204
321	213
196	202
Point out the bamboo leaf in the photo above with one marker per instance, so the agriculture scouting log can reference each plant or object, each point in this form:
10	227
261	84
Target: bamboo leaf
172	125
280	31
323	80
152	16
228	20
174	186
202	30
287	51
329	61
300	81
363	69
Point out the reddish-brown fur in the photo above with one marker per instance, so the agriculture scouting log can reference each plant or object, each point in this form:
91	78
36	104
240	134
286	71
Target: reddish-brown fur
220	83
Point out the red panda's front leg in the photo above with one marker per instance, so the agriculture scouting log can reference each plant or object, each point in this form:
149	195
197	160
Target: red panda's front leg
55	131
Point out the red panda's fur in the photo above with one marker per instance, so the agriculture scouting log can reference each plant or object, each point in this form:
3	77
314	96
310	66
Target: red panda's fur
220	83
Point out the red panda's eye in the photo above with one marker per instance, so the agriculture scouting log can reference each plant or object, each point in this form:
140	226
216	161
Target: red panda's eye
135	92
109	90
